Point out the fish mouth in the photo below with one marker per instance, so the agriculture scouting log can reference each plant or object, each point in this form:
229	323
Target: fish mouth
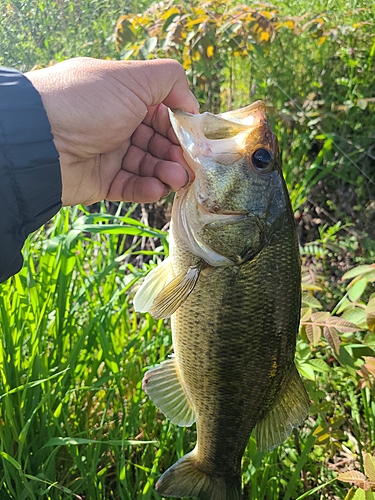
230	212
222	138
218	127
219	216
216	210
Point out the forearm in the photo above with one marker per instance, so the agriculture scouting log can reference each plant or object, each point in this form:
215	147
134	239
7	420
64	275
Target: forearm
30	179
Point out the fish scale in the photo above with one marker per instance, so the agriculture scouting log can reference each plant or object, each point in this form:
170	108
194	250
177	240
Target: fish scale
232	286
238	324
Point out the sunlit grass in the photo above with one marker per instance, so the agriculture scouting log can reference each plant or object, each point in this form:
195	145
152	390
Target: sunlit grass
71	357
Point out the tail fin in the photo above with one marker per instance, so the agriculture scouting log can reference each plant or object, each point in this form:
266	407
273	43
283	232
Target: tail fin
184	479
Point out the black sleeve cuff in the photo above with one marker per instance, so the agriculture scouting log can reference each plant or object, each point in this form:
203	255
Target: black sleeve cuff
30	177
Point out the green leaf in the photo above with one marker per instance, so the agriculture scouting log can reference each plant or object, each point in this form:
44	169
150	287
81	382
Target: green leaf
370	276
295	478
357	271
369	495
10	460
370	318
33	383
319	365
232	28
305	314
370	340
150	44
71	238
355	315
370	315
356	289
343	305
169	16
310	301
369	464
359	494
307	371
346	360
51	484
125	54
362	103
314	490
350	494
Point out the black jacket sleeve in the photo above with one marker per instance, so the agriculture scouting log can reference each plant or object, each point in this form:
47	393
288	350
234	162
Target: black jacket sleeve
30	178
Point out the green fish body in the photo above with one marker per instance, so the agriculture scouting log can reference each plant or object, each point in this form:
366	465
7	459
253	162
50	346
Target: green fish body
232	286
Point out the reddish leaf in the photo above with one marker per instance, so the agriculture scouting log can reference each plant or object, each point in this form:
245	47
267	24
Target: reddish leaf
353	476
320	317
342	325
313	332
332	337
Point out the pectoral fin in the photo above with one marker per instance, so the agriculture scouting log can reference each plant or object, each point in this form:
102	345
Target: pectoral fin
289	411
175	293
154	283
163	385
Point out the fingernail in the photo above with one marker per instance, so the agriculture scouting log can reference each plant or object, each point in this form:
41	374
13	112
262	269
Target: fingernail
188	181
168	191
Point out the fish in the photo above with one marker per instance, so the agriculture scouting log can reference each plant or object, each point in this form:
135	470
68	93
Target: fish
232	287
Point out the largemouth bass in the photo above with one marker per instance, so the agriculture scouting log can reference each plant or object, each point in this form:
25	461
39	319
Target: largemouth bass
232	285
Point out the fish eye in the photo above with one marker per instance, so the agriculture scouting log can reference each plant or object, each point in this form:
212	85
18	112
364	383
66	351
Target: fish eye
262	158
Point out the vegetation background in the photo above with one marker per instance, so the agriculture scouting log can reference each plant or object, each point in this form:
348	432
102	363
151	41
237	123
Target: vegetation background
74	422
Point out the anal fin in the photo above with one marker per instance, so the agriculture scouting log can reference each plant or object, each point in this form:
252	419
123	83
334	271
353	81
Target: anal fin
163	385
288	412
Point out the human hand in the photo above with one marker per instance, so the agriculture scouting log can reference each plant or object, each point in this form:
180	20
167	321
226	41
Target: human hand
111	127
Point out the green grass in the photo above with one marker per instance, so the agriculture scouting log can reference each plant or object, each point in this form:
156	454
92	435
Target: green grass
74	421
72	356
